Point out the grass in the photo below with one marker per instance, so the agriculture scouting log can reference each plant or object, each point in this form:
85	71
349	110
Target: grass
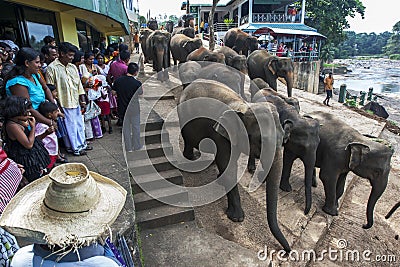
139	243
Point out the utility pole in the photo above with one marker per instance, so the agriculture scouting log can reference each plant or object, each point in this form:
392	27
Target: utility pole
187	7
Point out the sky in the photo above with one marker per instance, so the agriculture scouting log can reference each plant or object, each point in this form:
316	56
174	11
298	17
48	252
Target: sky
380	15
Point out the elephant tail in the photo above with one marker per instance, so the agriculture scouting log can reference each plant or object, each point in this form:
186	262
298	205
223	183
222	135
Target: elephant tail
395	207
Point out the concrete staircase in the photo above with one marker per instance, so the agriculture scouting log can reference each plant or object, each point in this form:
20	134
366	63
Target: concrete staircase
154	177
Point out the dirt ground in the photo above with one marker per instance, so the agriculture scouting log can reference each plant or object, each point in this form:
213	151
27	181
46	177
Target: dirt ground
317	230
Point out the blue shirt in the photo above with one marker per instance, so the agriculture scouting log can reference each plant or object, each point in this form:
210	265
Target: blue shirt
26	257
35	90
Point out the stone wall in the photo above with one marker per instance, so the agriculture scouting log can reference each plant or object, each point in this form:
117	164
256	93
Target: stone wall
306	76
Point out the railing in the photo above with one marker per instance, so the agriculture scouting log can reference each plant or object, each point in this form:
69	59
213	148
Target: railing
270	17
299	56
224	27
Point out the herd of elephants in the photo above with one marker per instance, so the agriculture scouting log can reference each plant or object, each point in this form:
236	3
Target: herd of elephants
270	119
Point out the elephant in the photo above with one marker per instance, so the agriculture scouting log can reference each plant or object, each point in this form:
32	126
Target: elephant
241	42
263	65
169	26
158	45
203	54
188	72
261	84
229	117
188	31
302	142
152	24
182	46
342	149
144	35
233	59
392	210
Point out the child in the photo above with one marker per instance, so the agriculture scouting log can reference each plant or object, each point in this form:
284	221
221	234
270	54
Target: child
47	134
19	136
61	128
104	103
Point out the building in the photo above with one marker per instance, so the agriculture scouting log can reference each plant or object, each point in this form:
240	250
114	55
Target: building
80	22
275	19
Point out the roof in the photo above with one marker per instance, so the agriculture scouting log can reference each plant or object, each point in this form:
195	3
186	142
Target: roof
209	2
282	28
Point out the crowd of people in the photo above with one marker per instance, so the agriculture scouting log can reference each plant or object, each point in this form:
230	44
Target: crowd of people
59	96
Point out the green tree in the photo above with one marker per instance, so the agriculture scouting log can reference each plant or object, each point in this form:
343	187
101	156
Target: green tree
393	46
330	17
142	20
174	18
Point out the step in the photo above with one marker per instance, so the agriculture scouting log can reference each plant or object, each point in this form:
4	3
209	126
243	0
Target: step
162	216
155	136
155	181
161	197
145	166
151	151
167	96
151	125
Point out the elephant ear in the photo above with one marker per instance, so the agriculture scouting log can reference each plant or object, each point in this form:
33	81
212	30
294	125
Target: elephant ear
357	153
229	119
287	129
273	65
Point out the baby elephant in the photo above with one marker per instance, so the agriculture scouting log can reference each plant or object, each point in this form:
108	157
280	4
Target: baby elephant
342	149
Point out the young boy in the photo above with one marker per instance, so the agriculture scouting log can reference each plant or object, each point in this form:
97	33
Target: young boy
328	81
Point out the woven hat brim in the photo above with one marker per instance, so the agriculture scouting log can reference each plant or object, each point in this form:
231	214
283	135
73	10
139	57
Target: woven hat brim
25	215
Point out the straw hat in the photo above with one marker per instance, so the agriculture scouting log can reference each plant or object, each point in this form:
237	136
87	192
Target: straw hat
70	206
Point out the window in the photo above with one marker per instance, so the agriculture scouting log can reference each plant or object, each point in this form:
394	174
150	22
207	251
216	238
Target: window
39	23
88	36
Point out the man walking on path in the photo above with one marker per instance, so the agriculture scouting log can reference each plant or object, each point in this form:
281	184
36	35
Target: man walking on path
65	77
127	87
328	81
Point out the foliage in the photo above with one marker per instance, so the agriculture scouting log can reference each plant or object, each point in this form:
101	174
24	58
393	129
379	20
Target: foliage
395	57
362	44
392	46
228	21
328	52
174	18
142	20
329	17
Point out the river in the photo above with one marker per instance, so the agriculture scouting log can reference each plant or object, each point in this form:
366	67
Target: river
381	74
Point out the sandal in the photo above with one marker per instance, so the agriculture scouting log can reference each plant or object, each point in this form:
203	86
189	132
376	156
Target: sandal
88	148
62	160
80	153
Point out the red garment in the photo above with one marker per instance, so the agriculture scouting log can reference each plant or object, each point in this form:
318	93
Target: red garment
10	178
280	51
105	107
53	159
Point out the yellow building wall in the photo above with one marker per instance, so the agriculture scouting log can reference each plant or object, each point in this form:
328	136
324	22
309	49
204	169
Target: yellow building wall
67	28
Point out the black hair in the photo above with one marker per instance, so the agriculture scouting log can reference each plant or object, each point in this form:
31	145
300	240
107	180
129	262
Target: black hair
42	57
51	87
15	106
48	39
133	68
66	47
25	53
88	55
124	55
4	45
46	49
47	107
100	54
77	57
122	47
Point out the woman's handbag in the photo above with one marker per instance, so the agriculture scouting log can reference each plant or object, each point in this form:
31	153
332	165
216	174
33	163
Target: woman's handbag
92	111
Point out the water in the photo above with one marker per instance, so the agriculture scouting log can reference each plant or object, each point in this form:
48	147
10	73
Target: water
381	74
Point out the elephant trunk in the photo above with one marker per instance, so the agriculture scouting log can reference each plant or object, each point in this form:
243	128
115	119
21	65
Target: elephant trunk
395	207
308	177
272	187
159	58
289	83
378	187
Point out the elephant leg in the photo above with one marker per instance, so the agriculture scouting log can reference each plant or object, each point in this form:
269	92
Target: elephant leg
329	181
288	159
340	187
314	178
188	144
251	164
227	167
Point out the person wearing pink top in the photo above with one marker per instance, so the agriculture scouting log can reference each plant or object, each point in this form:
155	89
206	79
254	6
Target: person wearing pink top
47	134
118	69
